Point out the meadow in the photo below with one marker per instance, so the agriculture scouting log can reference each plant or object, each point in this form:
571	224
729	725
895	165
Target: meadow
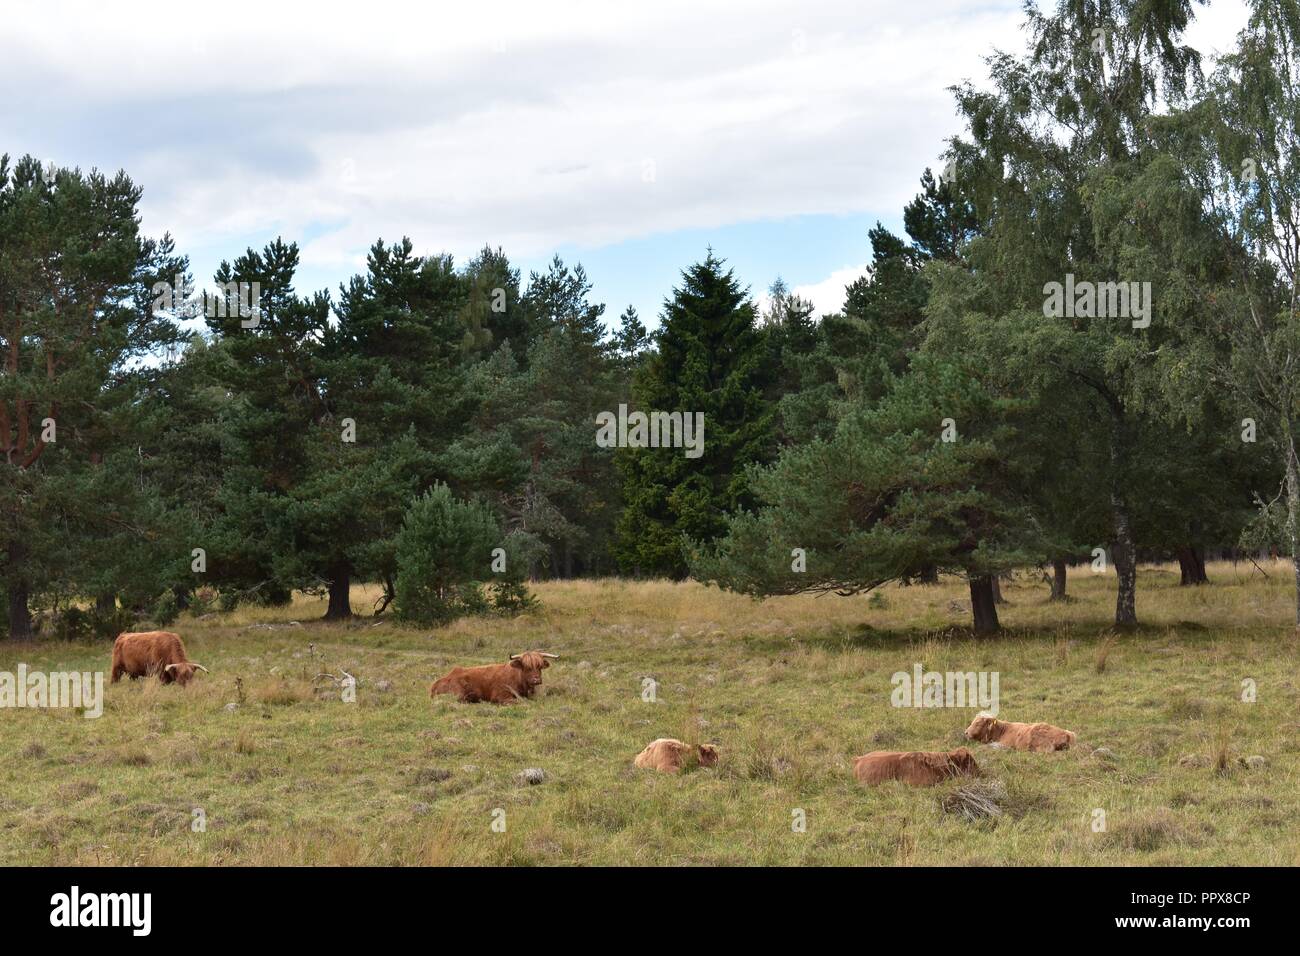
790	689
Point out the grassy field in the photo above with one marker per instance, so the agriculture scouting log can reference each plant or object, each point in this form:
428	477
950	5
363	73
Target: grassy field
790	689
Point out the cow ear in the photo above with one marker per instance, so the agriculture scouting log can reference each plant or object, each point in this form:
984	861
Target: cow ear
516	662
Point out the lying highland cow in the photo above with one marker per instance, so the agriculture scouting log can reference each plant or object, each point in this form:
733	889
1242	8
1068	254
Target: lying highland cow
1039	738
918	767
669	756
496	683
146	653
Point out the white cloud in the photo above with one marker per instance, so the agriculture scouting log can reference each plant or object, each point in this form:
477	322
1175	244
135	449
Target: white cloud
522	124
828	295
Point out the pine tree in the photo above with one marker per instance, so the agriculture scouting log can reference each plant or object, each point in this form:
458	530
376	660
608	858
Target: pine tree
630	340
491	314
893	491
76	280
531	449
266	360
393	390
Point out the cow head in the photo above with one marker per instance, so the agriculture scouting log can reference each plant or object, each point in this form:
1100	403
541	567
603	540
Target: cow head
982	728
532	663
962	764
708	755
184	673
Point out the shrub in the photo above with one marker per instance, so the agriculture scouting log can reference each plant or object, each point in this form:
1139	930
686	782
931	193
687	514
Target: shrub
203	601
166	609
77	624
108	624
72	624
446	552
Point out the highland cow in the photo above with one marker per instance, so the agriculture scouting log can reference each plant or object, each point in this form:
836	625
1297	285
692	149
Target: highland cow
146	653
918	767
496	683
1038	738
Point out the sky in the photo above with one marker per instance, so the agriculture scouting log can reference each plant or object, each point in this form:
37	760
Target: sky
629	137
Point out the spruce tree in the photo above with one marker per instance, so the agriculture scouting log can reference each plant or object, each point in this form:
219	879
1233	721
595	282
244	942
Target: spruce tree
710	357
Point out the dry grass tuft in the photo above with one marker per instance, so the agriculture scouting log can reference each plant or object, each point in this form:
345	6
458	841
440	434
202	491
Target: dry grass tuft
981	800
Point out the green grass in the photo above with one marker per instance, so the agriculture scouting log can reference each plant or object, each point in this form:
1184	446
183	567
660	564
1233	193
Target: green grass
790	689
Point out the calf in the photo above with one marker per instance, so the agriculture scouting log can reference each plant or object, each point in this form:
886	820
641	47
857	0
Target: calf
918	767
496	683
145	653
669	756
1039	738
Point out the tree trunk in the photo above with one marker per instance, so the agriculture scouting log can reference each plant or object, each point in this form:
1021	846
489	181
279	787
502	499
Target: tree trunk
20	617
1058	579
1191	562
983	606
1125	571
997	590
1293	513
340	608
106	604
1123	553
929	574
390	592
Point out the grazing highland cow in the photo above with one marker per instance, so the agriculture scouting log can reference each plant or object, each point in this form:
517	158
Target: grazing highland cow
919	768
1039	738
496	683
669	756
146	653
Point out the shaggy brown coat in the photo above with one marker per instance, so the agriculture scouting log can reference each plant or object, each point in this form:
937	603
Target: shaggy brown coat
146	653
668	755
918	767
495	683
1039	738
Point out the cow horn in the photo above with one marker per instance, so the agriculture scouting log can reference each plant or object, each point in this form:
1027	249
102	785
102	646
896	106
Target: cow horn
515	657
170	666
550	655
202	668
